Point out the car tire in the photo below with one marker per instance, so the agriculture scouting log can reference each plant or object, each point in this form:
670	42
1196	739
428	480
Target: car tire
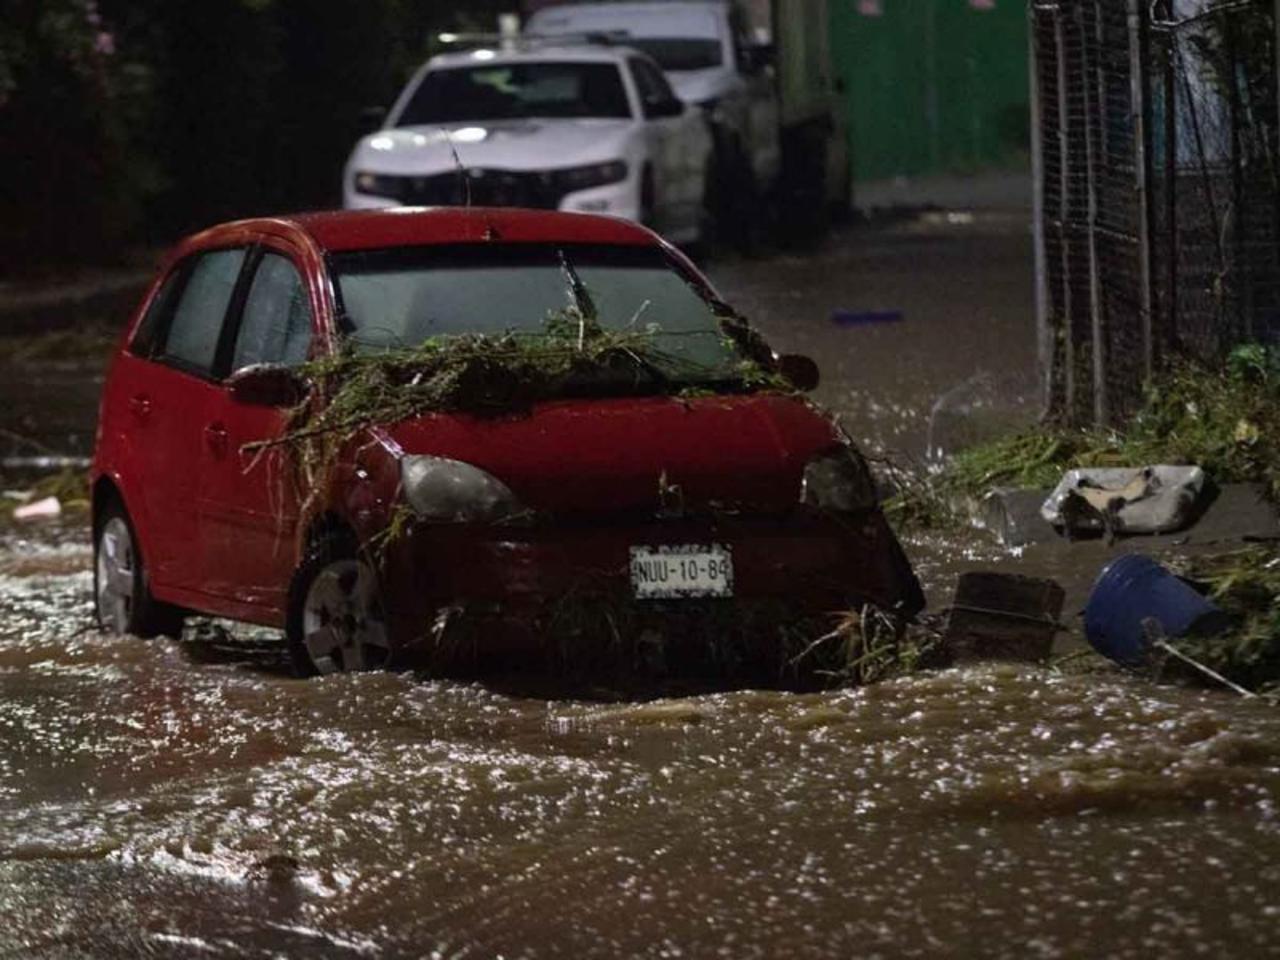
336	621
648	201
122	599
707	235
733	197
841	208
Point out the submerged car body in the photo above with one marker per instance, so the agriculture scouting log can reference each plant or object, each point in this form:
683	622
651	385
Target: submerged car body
659	488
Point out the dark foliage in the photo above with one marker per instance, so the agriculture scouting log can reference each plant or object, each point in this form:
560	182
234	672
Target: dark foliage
132	121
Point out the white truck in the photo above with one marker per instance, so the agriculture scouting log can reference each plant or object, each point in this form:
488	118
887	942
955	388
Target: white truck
761	71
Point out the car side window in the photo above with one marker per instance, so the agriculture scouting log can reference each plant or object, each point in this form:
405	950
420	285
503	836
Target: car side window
651	84
275	326
144	342
192	341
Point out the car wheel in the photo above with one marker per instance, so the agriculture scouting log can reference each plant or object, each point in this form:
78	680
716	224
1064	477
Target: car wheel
336	622
842	206
121	593
734	199
647	199
707	235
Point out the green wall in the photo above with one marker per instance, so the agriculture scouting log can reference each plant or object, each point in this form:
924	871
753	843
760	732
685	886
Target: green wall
932	86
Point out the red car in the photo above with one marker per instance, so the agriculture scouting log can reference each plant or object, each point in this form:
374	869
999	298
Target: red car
668	490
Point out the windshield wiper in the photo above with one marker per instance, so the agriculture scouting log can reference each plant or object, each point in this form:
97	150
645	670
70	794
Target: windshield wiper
580	299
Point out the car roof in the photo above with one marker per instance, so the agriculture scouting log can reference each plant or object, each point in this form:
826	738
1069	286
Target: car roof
677	16
344	230
541	53
646	7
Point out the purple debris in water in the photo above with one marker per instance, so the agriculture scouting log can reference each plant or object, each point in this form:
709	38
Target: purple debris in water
858	318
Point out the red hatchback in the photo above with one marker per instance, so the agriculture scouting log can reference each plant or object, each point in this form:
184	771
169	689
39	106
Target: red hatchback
667	488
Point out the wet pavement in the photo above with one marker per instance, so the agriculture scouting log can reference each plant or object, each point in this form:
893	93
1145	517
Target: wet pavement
925	321
160	799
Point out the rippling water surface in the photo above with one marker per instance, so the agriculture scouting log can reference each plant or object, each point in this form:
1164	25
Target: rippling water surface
153	804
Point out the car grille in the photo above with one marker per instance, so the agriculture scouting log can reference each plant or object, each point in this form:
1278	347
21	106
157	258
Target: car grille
487	188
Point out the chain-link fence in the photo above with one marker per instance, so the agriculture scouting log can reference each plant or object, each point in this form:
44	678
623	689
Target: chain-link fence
1158	203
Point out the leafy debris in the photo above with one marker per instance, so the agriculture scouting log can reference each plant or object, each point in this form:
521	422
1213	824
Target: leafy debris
1226	421
1246	584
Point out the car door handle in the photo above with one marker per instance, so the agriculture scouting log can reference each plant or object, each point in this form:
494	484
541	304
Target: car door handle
140	405
215	435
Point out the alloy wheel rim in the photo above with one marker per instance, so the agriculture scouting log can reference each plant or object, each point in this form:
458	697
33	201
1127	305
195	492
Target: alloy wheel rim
115	569
342	624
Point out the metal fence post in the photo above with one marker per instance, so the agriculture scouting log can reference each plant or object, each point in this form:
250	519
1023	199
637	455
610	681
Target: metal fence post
1064	213
1172	252
1044	330
1138	51
1240	279
1100	406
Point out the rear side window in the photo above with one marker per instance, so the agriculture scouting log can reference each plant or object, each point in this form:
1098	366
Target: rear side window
276	324
652	85
145	339
192	342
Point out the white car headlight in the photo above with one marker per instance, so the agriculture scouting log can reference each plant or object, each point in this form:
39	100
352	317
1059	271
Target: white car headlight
572	179
376	184
450	491
839	481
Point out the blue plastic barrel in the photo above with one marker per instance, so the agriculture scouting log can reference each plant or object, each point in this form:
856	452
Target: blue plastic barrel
1134	588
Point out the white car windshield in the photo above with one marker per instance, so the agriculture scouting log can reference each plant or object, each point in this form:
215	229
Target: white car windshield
400	298
515	90
675	54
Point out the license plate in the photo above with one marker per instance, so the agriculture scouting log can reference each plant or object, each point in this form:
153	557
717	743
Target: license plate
659	573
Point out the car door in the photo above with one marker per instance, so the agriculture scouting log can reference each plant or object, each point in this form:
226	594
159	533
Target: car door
662	124
248	502
168	383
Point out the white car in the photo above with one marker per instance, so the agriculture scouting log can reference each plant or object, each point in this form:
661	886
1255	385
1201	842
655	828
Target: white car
582	127
708	53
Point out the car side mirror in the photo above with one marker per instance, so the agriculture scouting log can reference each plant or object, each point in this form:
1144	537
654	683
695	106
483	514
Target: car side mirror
371	118
267	385
672	107
800	370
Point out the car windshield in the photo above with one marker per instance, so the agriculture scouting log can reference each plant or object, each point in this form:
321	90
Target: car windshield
679	53
513	90
400	298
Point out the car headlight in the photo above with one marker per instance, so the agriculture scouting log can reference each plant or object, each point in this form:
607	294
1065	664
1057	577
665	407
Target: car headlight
377	184
839	481
592	175
450	491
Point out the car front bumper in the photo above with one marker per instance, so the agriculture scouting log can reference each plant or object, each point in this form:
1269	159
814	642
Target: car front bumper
621	199
520	581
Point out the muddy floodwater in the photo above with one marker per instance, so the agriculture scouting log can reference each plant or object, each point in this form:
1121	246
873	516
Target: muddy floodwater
157	804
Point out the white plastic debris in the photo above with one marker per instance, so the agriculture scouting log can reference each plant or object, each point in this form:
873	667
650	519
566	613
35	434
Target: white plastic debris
45	509
1155	499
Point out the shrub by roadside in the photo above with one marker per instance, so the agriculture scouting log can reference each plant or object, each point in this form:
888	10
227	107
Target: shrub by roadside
1227	421
1246	584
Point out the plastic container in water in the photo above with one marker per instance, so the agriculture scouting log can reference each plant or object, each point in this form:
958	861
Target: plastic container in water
1133	589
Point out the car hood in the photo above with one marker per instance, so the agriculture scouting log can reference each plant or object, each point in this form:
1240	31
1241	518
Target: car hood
506	145
593	456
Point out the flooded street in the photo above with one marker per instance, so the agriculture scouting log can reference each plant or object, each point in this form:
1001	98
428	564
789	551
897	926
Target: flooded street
160	801
151	804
